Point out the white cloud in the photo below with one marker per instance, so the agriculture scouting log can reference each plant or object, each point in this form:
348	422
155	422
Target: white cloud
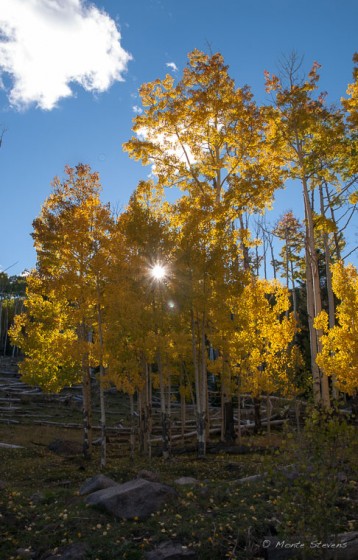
137	110
172	66
45	45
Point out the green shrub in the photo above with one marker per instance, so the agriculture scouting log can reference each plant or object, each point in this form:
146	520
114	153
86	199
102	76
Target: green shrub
313	487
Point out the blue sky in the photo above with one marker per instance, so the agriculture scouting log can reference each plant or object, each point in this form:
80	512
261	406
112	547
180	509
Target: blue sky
93	119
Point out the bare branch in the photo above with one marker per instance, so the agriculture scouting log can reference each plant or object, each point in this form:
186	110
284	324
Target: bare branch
289	67
2	135
350	252
354	209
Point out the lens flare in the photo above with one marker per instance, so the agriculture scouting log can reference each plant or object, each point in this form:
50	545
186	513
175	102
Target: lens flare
158	272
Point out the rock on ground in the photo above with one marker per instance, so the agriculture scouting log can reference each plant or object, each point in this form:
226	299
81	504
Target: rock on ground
170	551
186	480
134	499
25	553
75	551
148	475
98	482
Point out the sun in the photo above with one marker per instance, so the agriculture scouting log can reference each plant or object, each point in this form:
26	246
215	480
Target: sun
158	272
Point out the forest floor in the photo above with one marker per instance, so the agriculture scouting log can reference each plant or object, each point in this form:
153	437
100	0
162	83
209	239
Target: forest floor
307	493
41	510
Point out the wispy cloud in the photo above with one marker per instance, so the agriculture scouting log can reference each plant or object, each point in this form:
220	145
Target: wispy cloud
137	110
172	66
45	45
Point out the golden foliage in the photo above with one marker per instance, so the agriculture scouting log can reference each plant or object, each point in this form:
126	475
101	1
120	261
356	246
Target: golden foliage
339	355
59	331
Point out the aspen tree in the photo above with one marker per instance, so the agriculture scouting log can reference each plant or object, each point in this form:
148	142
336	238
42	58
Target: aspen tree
351	104
70	237
339	354
47	337
289	230
349	157
263	336
207	138
140	332
310	136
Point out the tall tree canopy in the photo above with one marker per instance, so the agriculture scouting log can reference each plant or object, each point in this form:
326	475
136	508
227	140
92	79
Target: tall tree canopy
206	137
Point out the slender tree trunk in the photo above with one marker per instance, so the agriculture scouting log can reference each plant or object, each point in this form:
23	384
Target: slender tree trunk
86	410
163	410
87	396
257	417
200	419
182	406
169	411
207	408
294	295
268	413
257	261
227	409
222	414
333	218
6	328
297	413
331	307
103	418
143	411
312	333
327	257
239	413
141	417
14	348
203	387
148	387
244	247
101	384
132	423
287	260
273	260
314	295
15	313
264	252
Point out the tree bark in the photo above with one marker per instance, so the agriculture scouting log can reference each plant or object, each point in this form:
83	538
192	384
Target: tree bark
87	411
103	460
163	409
101	383
257	418
132	432
200	416
330	296
314	301
239	415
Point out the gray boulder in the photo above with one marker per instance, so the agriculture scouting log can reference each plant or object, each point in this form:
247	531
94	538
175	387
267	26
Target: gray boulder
98	482
186	481
74	551
134	499
25	553
170	551
148	475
